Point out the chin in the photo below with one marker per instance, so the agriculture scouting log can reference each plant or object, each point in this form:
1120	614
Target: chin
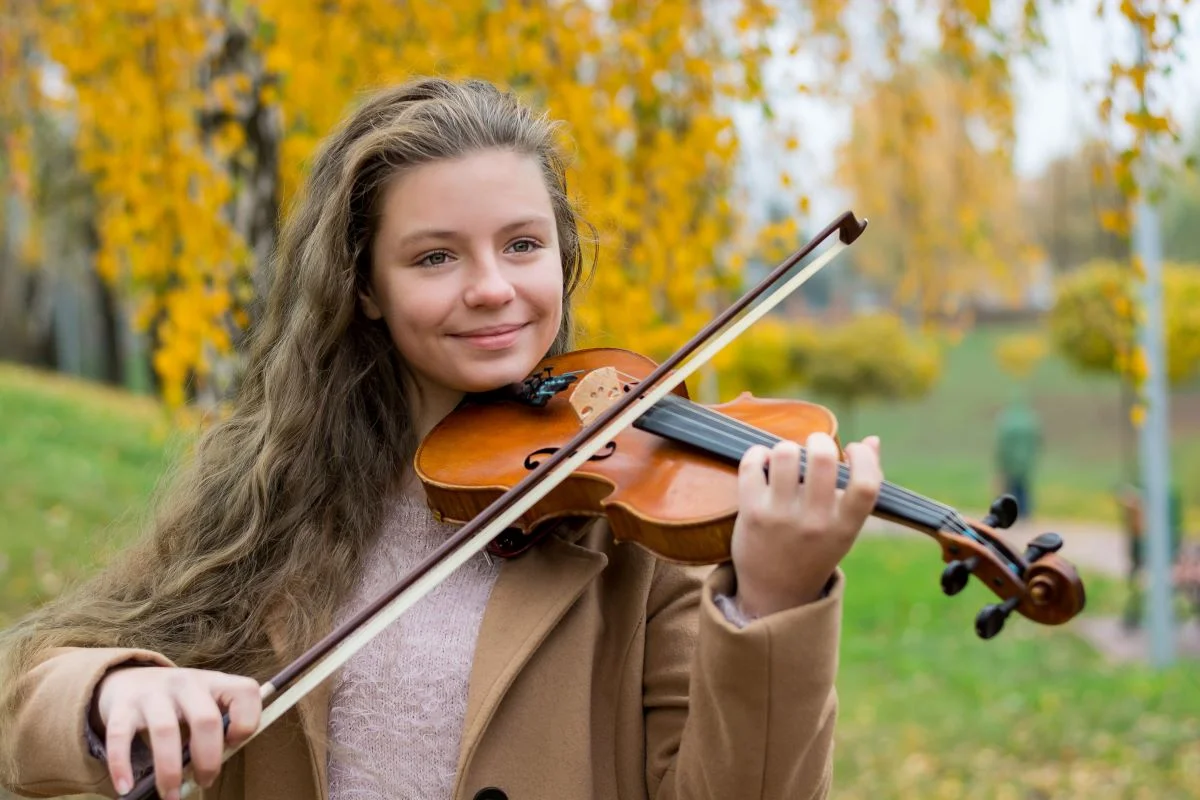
499	374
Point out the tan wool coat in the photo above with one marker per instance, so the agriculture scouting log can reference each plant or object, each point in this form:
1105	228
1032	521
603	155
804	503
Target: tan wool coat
600	672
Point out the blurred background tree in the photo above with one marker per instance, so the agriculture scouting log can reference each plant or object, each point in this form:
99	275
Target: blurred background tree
771	359
1180	205
194	122
931	160
1064	208
1092	326
191	122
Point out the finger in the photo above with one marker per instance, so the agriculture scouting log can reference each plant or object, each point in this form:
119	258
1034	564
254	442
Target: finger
862	489
752	476
873	443
118	741
206	731
242	698
162	723
820	478
784	467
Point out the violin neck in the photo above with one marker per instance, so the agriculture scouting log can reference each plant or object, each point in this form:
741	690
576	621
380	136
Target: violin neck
724	437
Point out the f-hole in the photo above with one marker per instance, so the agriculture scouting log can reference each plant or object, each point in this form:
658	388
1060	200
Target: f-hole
535	458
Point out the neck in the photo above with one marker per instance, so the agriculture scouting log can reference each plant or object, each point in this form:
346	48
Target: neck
431	404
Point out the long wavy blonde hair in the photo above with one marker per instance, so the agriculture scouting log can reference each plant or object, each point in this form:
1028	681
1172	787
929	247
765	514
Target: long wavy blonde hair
268	523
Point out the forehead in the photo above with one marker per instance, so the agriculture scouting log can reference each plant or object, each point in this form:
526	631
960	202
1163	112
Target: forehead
485	188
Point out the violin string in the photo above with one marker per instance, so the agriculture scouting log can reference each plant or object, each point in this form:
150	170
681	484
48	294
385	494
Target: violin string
902	501
896	498
898	507
744	434
742	438
941	511
906	500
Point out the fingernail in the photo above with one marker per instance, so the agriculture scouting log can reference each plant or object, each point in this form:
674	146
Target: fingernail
123	786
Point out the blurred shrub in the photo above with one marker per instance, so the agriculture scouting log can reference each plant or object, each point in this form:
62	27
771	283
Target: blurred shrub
1020	353
869	357
1093	321
872	357
768	360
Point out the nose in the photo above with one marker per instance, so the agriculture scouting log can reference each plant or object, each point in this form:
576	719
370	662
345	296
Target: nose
487	284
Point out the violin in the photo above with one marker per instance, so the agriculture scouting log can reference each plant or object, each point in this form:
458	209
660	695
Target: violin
627	442
668	483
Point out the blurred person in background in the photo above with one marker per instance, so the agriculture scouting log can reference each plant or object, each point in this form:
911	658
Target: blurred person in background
1018	445
1185	561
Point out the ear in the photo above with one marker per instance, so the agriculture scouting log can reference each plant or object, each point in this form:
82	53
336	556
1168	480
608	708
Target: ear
369	306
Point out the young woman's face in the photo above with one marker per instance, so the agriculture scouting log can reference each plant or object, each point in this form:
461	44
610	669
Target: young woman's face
466	271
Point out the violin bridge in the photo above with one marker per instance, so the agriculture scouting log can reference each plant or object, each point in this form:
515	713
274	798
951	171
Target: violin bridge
597	391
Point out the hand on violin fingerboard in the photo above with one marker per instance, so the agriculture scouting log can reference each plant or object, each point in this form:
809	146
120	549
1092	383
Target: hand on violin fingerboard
791	534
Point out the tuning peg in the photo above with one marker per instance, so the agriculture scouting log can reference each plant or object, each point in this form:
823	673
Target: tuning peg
1003	512
1044	543
991	618
957	573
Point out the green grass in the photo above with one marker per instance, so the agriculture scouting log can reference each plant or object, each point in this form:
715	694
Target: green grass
929	710
78	464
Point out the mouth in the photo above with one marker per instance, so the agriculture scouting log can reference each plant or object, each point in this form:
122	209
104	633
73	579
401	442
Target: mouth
494	337
494	330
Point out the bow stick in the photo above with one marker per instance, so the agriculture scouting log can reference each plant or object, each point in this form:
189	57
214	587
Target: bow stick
326	656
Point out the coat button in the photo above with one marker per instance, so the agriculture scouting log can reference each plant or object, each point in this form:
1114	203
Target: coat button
491	793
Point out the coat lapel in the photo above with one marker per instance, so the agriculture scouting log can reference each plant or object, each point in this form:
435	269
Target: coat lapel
314	716
531	594
313	710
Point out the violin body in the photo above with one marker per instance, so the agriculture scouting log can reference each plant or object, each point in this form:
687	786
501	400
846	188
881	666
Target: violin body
676	501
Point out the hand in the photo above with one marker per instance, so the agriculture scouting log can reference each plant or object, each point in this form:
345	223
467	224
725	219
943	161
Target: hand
790	536
155	700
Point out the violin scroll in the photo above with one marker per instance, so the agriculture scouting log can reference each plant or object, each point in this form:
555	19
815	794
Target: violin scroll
1037	584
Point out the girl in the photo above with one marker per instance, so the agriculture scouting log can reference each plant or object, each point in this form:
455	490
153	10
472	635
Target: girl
433	253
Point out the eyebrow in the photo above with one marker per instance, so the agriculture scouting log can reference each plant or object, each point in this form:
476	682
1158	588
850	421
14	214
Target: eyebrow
434	233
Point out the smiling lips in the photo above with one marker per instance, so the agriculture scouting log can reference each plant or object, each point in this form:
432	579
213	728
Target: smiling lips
495	337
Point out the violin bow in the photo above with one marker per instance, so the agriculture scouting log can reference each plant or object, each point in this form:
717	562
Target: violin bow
321	660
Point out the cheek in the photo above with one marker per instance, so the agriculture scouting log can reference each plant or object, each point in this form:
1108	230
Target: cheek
554	299
549	291
412	317
550	305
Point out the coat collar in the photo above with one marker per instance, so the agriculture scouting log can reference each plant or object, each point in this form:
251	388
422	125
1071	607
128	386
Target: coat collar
531	594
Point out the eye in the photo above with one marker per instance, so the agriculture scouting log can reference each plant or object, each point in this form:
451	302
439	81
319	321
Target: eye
524	245
434	259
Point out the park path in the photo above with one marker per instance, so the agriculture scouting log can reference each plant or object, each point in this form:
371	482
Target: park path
1087	545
